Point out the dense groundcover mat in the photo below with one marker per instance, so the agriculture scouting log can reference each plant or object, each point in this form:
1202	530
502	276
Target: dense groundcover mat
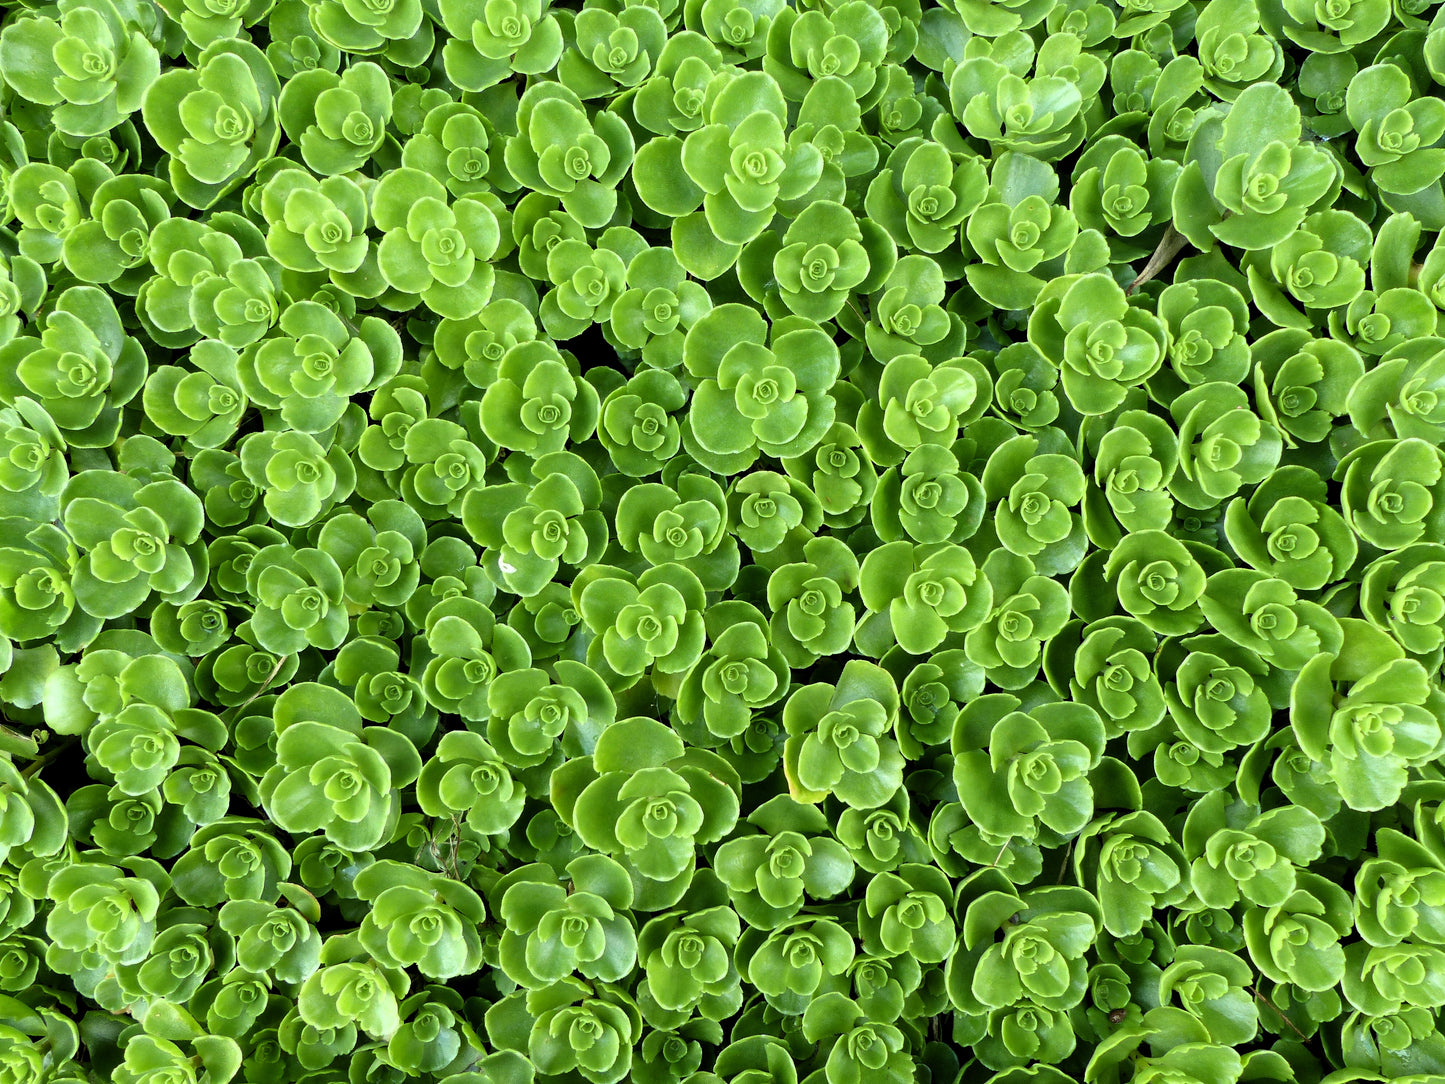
722	542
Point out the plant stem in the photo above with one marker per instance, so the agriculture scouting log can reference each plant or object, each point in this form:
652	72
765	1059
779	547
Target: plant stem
1064	865
46	757
999	857
280	662
1170	245
1278	1012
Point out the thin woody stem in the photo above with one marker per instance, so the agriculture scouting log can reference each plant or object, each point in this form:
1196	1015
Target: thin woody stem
1170	245
1278	1012
1064	865
280	662
999	857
